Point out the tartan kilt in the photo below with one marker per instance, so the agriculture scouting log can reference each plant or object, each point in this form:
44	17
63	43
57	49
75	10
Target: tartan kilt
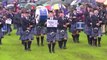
61	34
40	30
96	32
26	36
51	36
88	30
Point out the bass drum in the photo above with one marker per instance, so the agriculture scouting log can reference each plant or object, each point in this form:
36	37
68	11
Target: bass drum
80	25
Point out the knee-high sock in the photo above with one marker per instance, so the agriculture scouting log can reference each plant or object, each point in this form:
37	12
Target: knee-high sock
42	38
77	38
0	41
37	38
95	41
60	44
88	38
49	47
91	40
22	42
53	47
65	41
73	36
99	40
29	44
25	45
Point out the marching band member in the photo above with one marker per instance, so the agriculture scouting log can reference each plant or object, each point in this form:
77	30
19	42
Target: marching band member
73	20
62	30
40	30
96	28
27	37
10	17
17	21
88	27
51	34
1	26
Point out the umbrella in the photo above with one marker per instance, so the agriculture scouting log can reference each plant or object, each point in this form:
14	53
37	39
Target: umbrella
39	7
30	5
46	4
58	6
21	5
105	3
9	6
54	2
48	7
100	1
75	2
40	2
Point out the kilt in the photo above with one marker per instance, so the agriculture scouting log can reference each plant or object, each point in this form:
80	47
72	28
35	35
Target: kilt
88	30
73	28
40	30
61	34
26	36
96	32
51	36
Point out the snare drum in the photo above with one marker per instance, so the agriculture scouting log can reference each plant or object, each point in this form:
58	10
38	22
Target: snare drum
80	25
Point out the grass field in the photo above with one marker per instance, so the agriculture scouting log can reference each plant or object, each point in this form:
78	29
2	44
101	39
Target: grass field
13	50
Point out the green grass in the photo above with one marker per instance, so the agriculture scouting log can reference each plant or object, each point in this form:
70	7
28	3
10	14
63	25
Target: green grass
13	50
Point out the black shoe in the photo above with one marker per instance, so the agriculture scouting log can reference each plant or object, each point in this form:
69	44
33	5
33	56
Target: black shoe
29	49
26	49
50	52
42	44
9	34
64	48
99	45
0	43
53	51
78	41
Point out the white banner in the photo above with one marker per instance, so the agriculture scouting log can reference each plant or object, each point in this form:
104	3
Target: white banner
8	21
52	23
